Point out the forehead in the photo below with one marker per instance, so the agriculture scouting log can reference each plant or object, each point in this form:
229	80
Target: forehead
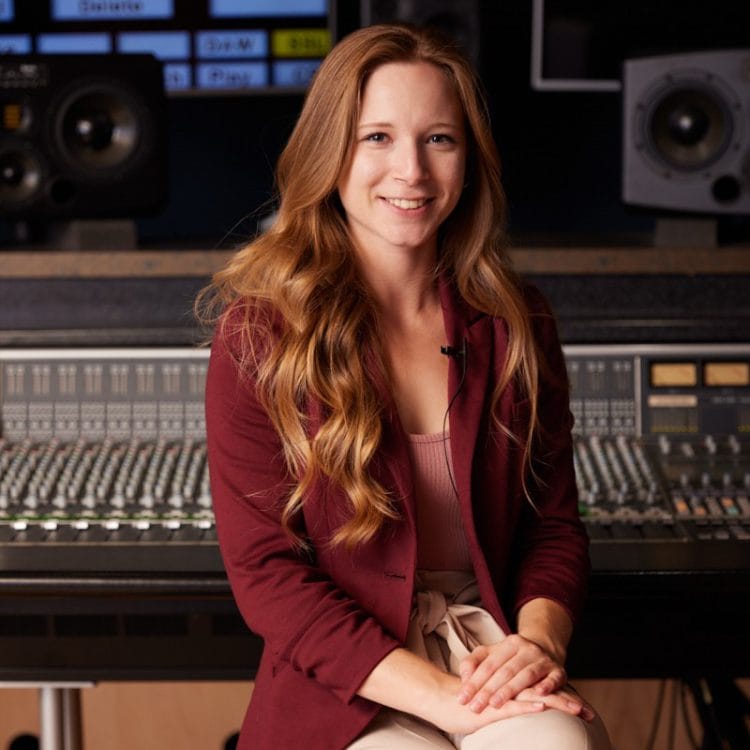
409	89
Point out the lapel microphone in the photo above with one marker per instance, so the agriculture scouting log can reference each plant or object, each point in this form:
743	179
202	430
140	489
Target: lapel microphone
454	351
457	353
450	351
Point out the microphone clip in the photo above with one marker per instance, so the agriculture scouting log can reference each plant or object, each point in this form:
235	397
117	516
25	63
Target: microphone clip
454	352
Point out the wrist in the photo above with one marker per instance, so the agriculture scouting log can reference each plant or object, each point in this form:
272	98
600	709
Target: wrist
435	695
553	648
547	624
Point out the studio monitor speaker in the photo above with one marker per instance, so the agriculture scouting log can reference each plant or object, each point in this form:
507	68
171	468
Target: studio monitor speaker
458	19
686	132
81	136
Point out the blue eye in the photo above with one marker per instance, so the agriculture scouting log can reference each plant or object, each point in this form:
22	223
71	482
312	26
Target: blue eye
376	137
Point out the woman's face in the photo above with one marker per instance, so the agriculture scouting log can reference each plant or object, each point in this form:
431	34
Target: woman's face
406	169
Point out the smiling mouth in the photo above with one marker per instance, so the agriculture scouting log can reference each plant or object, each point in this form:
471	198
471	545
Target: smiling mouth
406	203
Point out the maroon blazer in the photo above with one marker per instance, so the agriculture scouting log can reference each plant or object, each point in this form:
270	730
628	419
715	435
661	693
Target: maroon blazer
329	617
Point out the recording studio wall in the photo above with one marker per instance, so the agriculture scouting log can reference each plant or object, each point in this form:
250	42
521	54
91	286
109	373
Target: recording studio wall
560	151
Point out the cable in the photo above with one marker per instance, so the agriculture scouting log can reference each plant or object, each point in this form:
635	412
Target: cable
672	733
686	719
463	355
657	716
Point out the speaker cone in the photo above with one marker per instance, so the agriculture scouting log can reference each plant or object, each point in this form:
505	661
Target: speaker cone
689	128
20	176
99	129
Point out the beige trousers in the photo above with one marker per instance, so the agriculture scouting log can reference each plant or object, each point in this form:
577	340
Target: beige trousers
446	625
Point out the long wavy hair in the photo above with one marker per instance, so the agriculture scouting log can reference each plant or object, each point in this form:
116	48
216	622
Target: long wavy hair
304	317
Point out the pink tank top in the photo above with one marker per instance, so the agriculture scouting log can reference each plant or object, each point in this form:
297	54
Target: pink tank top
441	539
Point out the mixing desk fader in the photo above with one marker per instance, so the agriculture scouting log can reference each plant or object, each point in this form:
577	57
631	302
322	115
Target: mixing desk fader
103	458
103	462
662	454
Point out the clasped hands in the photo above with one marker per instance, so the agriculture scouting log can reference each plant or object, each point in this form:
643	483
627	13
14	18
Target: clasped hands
517	670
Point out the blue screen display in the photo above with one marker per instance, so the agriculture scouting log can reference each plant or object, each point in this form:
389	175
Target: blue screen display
205	46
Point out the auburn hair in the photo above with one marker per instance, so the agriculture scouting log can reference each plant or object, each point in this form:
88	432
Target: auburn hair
304	318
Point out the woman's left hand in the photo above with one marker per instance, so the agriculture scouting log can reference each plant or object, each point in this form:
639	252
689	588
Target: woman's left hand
491	675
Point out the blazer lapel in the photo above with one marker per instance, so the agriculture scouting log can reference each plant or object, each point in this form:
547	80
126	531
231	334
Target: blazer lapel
482	345
469	332
392	460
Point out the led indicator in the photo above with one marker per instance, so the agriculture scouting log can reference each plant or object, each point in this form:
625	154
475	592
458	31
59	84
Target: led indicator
12	117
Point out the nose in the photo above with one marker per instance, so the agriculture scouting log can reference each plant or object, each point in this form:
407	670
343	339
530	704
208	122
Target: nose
410	163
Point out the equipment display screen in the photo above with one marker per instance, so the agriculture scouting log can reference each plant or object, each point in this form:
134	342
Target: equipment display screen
205	46
722	374
673	374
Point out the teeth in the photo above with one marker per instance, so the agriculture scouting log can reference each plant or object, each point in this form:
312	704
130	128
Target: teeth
404	203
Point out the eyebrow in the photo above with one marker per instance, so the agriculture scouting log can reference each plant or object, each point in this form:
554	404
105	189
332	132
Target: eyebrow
390	125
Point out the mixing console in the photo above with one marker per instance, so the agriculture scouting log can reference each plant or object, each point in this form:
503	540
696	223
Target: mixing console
103	459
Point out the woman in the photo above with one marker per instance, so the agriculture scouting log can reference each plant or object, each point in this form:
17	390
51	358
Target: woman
389	434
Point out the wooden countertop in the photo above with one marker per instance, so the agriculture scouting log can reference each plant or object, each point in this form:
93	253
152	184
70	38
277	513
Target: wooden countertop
536	260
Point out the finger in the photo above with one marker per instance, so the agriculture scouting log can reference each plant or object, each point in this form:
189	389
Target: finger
488	670
562	701
555	680
481	665
524	678
516	708
503	685
469	663
484	682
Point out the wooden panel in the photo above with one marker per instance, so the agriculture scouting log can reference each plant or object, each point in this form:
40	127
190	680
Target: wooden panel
528	260
45	264
185	715
202	715
19	714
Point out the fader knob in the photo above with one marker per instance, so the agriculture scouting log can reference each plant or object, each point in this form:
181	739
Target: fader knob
710	444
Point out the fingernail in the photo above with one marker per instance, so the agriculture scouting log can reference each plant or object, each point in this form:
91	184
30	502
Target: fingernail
575	706
463	698
476	706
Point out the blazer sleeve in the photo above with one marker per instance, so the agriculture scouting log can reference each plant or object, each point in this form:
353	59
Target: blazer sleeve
552	547
307	622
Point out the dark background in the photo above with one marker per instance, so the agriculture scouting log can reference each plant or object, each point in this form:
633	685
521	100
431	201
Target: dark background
561	153
561	150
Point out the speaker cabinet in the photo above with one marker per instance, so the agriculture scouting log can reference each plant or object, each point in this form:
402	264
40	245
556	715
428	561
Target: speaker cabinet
686	132
458	19
81	136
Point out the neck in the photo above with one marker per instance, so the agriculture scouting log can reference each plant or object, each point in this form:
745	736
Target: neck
402	284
